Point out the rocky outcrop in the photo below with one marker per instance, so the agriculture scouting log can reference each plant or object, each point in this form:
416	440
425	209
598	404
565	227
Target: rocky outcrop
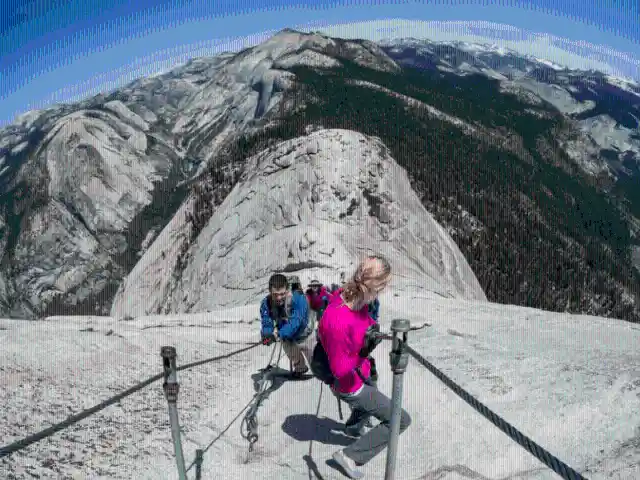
85	188
312	205
70	201
249	85
570	383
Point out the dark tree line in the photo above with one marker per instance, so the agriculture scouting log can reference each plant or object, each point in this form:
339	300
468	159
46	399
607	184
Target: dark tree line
547	238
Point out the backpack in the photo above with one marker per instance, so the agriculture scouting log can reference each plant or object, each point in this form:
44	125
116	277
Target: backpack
320	365
311	317
322	371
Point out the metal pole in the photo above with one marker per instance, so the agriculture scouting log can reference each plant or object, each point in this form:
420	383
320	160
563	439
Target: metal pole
399	358
198	462
171	389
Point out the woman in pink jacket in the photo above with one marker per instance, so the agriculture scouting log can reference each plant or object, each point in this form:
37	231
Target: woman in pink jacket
342	333
318	297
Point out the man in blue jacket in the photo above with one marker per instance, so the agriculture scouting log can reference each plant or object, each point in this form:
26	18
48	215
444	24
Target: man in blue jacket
285	315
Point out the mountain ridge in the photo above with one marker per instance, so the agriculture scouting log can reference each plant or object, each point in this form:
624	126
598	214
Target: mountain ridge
202	120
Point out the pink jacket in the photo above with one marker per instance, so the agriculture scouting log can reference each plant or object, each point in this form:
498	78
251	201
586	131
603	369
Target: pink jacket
341	332
316	300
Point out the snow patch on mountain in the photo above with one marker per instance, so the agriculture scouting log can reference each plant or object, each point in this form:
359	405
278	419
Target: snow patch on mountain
557	96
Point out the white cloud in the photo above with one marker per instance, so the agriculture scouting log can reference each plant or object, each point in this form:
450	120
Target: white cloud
573	54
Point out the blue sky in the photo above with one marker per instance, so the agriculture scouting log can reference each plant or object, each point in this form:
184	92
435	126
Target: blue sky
62	50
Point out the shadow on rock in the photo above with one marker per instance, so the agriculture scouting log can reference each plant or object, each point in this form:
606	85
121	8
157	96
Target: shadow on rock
308	427
313	467
333	464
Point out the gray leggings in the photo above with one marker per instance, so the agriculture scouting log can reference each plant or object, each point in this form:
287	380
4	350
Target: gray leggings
371	402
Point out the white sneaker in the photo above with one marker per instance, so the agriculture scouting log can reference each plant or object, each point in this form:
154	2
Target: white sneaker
348	465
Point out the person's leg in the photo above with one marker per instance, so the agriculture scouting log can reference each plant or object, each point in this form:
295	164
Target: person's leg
370	401
306	347
292	350
374	383
358	421
360	418
356	416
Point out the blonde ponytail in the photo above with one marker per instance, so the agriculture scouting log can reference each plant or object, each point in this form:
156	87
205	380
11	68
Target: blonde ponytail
373	270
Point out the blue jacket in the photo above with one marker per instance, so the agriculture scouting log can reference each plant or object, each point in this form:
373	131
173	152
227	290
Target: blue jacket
374	310
290	327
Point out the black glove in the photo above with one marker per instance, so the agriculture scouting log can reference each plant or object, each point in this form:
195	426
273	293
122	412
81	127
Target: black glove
268	339
370	341
374	371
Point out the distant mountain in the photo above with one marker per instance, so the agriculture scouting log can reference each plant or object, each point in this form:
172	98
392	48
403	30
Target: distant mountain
530	168
605	109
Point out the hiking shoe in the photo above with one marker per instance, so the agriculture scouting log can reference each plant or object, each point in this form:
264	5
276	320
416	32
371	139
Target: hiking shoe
348	465
356	430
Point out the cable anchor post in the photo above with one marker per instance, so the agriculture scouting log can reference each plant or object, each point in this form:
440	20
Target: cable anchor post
198	463
171	389
399	359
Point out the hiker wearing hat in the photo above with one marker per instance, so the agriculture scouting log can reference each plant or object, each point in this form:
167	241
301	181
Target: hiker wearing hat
318	297
295	283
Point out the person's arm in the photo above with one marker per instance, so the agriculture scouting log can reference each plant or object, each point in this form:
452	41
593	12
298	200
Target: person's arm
374	310
325	296
312	300
298	319
265	319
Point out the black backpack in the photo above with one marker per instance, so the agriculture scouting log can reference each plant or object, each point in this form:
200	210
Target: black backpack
320	365
322	371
